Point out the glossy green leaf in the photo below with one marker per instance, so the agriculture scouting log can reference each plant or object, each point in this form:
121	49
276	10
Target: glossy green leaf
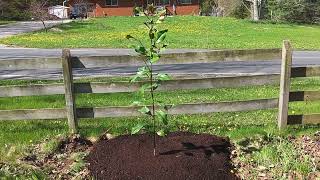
136	78
145	87
143	71
163	116
145	110
141	50
154	58
161	133
155	86
163	77
161	35
137	128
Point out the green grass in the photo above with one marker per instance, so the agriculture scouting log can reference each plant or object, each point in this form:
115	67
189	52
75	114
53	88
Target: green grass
16	136
2	22
171	97
184	32
282	153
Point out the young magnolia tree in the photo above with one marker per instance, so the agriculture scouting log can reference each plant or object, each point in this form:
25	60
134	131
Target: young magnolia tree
151	53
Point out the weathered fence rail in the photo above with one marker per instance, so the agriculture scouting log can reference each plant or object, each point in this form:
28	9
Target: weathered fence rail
124	111
288	72
69	88
132	60
115	87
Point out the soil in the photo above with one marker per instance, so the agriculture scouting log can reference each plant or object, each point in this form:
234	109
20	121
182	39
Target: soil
310	145
180	155
57	165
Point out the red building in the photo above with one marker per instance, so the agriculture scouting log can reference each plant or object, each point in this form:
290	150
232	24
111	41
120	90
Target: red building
100	8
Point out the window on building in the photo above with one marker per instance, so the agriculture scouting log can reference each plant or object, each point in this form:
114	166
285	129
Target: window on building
185	1
112	2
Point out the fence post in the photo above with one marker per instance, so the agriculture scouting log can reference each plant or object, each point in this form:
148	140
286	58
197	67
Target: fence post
286	64
69	90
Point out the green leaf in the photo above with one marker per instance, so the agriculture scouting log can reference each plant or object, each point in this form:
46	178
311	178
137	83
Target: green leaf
148	87
161	35
145	110
155	86
163	77
163	48
154	57
161	133
141	50
145	87
136	103
137	128
144	71
163	116
135	78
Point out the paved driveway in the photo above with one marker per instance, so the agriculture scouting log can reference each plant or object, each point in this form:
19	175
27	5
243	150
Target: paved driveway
24	27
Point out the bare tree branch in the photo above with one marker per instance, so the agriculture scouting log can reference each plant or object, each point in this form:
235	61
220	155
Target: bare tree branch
39	12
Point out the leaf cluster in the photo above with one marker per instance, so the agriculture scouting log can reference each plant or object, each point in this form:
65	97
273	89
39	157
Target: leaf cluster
152	80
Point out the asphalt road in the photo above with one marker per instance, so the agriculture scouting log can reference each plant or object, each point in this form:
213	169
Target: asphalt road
300	58
24	27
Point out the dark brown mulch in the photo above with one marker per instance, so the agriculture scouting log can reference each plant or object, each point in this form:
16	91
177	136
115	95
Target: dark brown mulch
181	155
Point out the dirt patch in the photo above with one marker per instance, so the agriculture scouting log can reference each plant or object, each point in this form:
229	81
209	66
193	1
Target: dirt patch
180	155
66	161
310	145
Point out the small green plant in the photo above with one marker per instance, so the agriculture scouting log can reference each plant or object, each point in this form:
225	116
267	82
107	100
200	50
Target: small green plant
151	53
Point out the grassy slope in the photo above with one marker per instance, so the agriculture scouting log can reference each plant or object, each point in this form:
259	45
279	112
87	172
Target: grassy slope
184	32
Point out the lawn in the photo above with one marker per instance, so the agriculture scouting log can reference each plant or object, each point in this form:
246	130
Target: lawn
17	136
184	32
2	22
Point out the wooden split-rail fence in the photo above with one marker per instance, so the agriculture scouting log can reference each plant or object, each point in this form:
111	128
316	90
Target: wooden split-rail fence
70	88
286	96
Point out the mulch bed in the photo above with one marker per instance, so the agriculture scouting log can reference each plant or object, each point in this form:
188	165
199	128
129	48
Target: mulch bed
180	155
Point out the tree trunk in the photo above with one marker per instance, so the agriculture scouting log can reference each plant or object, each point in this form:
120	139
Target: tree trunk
255	10
44	25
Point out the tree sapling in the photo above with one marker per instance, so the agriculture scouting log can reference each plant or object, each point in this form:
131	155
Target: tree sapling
151	53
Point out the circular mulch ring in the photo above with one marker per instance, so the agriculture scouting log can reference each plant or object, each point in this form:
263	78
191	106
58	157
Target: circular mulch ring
180	155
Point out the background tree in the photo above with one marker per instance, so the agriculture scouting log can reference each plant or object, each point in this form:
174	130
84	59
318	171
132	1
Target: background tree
19	9
39	12
296	11
2	7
